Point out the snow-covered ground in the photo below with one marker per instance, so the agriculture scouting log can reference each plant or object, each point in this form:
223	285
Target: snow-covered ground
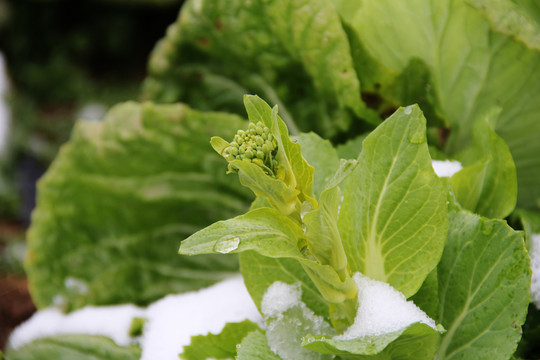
170	322
4	111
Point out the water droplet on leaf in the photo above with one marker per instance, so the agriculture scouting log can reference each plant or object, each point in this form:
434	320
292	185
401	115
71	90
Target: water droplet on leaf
227	244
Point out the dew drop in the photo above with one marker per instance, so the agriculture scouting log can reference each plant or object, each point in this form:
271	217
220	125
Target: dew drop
407	110
227	244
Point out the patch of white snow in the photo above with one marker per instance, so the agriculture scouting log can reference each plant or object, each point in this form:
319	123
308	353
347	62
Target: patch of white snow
289	320
170	322
279	297
173	320
446	168
534	253
381	309
110	321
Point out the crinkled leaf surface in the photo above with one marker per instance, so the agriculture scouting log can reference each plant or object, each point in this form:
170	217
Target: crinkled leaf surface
417	341
519	19
118	198
484	280
219	346
487	185
69	347
293	53
473	67
393	218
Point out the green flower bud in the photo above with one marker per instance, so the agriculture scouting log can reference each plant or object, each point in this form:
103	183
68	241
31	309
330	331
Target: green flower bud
256	145
258	162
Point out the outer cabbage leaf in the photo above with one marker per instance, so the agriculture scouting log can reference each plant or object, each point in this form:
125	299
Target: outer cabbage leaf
393	218
68	347
484	280
473	68
293	53
519	19
487	185
117	199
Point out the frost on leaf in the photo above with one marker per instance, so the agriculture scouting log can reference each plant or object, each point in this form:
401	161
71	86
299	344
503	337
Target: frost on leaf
289	320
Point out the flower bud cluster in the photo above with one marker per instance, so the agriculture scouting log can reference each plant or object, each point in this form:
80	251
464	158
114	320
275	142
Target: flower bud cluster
256	145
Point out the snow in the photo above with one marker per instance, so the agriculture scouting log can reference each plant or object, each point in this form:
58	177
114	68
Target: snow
289	320
382	309
170	322
174	319
4	112
446	168
279	297
89	320
534	253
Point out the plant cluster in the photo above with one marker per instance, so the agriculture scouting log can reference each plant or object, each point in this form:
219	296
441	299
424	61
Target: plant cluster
351	247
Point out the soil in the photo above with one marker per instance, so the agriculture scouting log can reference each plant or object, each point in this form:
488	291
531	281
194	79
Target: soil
15	305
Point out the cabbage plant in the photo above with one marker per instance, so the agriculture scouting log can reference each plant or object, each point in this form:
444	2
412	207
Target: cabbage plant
349	243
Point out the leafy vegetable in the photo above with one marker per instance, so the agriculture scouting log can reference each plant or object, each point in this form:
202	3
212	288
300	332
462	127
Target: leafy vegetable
314	237
393	204
328	242
295	54
484	280
473	67
83	347
118	197
487	185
